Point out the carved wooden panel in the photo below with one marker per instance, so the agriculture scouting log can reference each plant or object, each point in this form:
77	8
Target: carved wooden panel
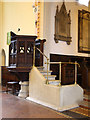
7	76
84	31
21	50
39	57
83	72
62	25
68	74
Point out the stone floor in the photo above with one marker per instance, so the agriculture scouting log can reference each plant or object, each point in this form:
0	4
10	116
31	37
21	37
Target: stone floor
12	106
15	107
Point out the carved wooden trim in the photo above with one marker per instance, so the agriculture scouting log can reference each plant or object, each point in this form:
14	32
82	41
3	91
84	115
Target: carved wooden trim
62	25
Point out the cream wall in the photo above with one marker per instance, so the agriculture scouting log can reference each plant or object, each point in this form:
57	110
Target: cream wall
16	15
49	23
0	36
41	19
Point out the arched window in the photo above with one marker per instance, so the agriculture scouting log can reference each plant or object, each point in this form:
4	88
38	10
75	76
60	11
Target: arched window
3	57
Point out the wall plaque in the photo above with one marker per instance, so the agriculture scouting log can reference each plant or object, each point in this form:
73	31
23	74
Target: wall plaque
62	25
84	31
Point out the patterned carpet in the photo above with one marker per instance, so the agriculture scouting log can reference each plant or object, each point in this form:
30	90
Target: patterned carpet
78	113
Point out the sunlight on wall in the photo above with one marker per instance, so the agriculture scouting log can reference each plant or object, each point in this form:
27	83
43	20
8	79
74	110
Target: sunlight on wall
84	2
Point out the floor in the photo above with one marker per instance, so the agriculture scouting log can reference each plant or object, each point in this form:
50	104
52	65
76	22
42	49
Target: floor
14	107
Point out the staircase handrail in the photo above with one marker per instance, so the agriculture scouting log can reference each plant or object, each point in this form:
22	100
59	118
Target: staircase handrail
56	63
41	52
44	56
66	63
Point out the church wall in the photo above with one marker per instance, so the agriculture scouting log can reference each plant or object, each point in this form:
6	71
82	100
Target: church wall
16	15
0	37
20	15
49	28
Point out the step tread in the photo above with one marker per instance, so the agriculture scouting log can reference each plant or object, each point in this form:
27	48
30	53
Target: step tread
45	71
86	97
54	80
85	107
49	75
40	67
85	103
53	85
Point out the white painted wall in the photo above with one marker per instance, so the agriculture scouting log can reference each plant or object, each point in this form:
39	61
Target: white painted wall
49	23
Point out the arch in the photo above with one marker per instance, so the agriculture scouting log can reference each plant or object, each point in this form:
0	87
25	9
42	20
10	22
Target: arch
3	58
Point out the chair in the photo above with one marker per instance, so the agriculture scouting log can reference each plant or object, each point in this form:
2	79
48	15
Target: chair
13	85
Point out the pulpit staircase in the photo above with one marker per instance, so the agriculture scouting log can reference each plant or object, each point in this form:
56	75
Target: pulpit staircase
46	72
51	78
86	100
45	90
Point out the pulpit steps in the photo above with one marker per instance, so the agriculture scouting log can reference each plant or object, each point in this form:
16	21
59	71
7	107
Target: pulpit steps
86	100
51	78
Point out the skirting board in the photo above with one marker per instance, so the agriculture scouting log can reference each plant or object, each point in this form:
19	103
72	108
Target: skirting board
52	106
